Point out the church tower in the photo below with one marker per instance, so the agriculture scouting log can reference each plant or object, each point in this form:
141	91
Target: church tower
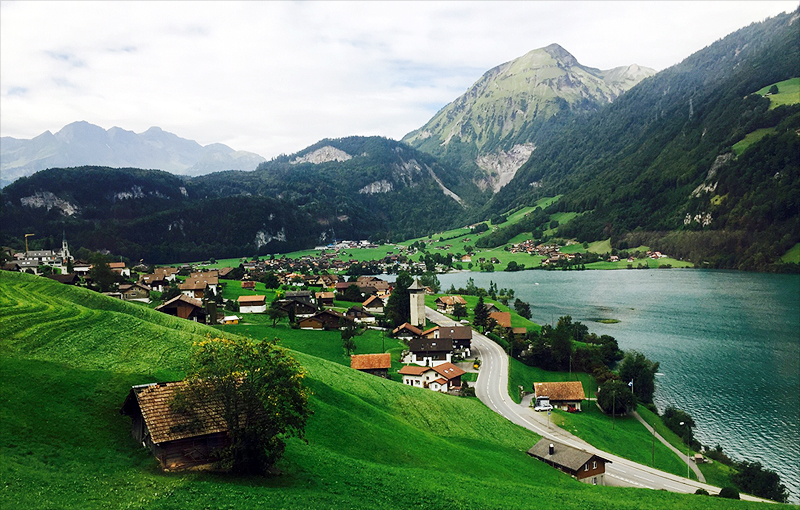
416	293
65	256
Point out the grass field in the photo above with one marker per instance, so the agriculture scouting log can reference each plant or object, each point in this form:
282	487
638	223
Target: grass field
69	357
788	93
793	255
517	321
751	138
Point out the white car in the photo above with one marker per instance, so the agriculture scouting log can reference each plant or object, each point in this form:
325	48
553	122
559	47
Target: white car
543	407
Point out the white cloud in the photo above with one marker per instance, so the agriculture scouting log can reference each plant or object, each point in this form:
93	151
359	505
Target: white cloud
274	77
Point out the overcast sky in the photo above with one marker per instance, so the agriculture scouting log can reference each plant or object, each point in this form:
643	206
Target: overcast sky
275	77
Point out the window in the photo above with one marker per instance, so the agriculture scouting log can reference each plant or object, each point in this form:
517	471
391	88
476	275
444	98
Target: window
594	465
586	467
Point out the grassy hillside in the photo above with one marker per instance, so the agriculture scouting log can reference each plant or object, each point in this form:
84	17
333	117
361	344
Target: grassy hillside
69	357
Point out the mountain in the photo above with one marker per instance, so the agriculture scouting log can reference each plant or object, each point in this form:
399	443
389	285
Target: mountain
495	125
353	187
696	161
82	143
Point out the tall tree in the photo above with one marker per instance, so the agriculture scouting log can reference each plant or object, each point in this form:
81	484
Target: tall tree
615	397
481	314
398	308
263	400
637	368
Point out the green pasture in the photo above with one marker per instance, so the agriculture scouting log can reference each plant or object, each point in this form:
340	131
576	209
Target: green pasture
69	357
788	93
750	139
793	255
517	321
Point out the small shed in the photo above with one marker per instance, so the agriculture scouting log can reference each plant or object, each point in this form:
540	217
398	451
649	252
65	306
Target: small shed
179	440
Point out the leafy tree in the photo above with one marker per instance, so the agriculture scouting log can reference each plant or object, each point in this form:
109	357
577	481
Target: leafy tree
270	280
353	293
773	89
276	314
481	314
729	493
637	368
673	418
431	280
615	397
522	308
263	400
101	274
348	339
754	479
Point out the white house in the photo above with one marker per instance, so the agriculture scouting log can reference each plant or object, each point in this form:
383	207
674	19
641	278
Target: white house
252	304
442	378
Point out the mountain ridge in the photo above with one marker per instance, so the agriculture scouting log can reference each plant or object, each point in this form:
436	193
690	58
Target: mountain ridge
81	143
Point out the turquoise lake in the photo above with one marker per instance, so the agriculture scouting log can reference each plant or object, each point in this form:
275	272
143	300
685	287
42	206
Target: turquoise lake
728	344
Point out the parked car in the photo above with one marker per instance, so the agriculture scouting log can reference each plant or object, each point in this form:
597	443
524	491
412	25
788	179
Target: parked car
543	406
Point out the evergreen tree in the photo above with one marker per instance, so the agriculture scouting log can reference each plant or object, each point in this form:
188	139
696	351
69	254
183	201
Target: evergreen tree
481	314
398	308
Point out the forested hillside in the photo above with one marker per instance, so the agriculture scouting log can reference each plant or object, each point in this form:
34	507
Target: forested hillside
658	166
348	188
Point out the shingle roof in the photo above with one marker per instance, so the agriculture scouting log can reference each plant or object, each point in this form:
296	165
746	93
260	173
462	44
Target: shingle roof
370	361
430	345
563	455
456	332
452	300
448	371
185	299
408	327
413	370
164	424
571	390
503	319
252	300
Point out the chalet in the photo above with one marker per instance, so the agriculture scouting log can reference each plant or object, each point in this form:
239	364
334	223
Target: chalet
210	277
81	268
431	352
443	378
563	395
491	308
519	332
135	292
156	282
373	304
168	273
301	294
185	308
375	364
503	319
68	278
324	298
178	440
358	314
584	466
193	288
406	331
120	269
302	307
326	319
374	283
249	285
446	304
224	272
466	258
253	304
343	286
460	335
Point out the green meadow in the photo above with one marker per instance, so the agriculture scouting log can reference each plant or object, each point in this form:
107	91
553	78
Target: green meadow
69	357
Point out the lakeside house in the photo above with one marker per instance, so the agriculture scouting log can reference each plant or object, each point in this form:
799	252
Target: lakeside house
563	395
447	304
583	466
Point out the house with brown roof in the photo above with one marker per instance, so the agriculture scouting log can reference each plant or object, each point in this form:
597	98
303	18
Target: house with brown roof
584	466
431	351
358	314
326	319
185	308
156	282
66	278
252	304
135	292
460	335
443	377
563	395
446	304
120	269
375	364
302	307
373	304
250	285
503	319
193	288
179	440
406	331
324	298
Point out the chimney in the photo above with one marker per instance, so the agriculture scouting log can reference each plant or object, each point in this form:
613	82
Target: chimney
552	449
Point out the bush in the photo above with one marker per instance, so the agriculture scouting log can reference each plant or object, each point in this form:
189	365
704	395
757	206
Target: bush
729	493
701	491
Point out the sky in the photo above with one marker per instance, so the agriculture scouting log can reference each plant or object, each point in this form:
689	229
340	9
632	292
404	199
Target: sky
275	77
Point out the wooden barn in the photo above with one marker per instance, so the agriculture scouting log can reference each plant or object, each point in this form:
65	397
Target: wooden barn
179	440
185	308
375	364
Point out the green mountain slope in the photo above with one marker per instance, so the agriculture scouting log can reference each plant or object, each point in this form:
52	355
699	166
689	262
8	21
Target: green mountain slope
498	121
661	158
70	356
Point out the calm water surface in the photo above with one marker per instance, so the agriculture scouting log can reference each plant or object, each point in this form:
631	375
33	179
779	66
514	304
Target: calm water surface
728	344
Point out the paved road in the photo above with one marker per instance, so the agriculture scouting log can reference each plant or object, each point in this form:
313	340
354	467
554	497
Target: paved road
491	389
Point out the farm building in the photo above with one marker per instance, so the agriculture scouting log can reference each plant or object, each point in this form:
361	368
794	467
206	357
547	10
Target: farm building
185	308
179	440
375	364
563	395
252	304
584	466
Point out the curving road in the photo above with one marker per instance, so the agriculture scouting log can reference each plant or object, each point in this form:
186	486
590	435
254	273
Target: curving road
492	389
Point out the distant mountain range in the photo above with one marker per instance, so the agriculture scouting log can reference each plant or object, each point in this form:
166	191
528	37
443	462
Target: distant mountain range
496	124
82	143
